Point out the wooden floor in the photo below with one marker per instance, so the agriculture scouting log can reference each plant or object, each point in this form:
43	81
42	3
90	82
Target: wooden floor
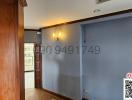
37	94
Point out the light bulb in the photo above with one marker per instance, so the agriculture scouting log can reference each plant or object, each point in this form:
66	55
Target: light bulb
59	34
53	35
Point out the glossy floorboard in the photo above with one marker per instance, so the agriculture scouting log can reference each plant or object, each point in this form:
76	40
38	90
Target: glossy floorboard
37	94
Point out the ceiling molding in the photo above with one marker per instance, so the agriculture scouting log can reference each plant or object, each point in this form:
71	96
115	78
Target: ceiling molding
38	30
91	18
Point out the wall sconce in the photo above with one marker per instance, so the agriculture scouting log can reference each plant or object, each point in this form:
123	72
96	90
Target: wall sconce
57	36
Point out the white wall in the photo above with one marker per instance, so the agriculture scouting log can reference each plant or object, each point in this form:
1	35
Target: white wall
61	72
29	80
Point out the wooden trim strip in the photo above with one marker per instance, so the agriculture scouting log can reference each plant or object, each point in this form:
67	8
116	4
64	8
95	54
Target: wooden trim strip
23	3
38	30
38	65
91	18
84	99
56	94
29	71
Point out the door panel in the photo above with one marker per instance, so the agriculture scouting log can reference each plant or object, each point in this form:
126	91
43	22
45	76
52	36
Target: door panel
38	66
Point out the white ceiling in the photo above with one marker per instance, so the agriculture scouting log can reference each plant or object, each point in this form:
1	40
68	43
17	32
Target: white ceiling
41	13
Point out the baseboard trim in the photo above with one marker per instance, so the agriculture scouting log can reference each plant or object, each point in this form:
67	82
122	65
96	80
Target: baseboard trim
84	99
58	95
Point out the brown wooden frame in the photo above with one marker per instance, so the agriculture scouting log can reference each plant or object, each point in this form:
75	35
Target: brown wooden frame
12	50
23	3
58	95
38	66
37	30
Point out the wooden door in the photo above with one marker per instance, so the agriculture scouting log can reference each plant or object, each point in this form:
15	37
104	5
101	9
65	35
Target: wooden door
38	66
11	50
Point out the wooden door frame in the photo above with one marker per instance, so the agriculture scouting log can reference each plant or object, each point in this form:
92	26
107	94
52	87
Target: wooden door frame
12	49
38	65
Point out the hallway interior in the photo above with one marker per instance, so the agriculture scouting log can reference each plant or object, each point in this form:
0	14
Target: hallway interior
65	49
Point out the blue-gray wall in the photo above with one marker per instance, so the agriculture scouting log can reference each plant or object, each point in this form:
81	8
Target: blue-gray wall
61	72
98	77
103	73
32	37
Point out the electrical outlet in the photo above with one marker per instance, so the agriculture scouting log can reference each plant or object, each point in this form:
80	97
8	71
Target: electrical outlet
85	93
